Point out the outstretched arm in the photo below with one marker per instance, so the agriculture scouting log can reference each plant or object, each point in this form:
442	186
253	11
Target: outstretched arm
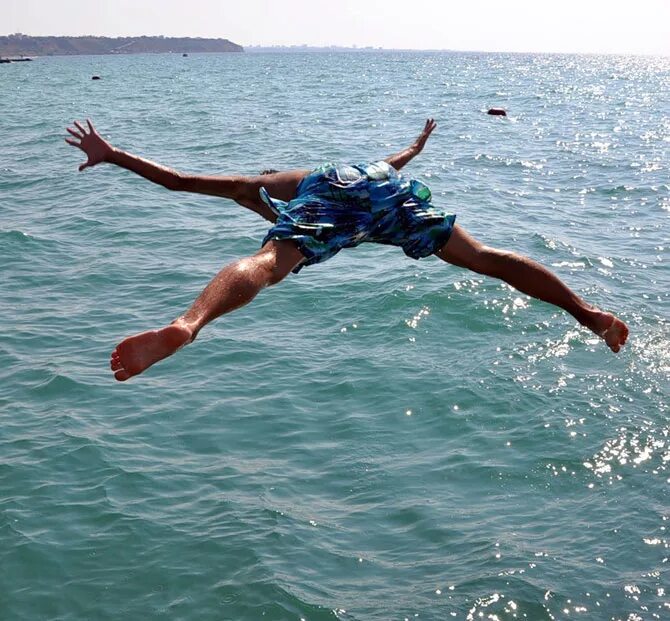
403	157
98	150
243	190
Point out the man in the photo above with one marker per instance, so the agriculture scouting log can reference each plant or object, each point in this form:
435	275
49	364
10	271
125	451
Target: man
315	215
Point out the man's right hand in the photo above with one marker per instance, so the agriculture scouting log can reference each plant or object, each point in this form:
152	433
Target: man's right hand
398	160
425	134
97	149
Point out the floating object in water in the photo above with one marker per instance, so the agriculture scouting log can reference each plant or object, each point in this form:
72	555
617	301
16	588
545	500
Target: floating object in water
14	59
497	112
184	54
96	77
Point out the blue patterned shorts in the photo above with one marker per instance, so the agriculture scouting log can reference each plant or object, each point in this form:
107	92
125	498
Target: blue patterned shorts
343	206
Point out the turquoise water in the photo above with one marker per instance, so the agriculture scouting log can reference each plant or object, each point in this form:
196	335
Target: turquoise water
375	438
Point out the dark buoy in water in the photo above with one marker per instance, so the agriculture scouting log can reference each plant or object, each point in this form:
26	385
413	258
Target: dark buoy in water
184	54
497	112
96	77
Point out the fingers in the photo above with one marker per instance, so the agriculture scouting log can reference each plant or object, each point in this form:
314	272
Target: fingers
74	133
430	126
427	131
80	134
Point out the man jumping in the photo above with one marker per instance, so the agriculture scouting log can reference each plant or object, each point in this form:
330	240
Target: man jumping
315	214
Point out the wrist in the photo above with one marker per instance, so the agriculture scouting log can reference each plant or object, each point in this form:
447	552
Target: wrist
111	155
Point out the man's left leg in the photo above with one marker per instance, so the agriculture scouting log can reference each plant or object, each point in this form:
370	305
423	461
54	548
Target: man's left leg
531	278
234	286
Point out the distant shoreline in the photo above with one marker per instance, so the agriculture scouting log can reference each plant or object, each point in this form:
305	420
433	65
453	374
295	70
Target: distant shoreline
18	45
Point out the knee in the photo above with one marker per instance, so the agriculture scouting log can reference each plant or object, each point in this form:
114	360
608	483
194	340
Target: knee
263	268
281	257
491	261
276	273
464	251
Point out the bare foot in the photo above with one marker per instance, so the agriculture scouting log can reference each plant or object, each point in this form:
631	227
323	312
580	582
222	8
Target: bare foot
611	329
137	353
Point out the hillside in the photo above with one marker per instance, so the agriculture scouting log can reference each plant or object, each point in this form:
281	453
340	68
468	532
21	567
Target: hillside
24	45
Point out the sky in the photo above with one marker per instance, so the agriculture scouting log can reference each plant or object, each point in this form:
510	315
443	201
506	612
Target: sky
581	26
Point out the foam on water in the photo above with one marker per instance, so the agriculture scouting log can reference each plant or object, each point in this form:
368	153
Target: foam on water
375	438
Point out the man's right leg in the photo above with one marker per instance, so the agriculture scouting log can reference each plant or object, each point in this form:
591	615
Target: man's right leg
534	279
234	286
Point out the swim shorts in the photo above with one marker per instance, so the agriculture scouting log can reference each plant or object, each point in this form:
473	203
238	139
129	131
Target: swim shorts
341	206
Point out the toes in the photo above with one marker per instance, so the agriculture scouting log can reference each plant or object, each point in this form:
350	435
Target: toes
116	365
115	361
122	375
616	335
621	336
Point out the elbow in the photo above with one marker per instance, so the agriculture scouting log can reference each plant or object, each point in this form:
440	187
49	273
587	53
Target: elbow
177	182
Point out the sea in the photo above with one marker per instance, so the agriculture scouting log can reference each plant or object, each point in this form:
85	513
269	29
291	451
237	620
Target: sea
375	438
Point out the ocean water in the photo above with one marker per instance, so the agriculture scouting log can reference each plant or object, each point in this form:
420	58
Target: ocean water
375	438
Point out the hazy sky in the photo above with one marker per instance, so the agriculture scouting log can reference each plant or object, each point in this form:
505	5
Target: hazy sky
618	26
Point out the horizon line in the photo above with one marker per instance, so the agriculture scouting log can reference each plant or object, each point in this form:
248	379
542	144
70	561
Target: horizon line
353	46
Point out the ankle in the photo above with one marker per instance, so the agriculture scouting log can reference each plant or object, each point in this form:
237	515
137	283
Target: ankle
596	320
187	326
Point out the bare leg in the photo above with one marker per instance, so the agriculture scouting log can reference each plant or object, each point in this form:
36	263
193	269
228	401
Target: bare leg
234	286
533	279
